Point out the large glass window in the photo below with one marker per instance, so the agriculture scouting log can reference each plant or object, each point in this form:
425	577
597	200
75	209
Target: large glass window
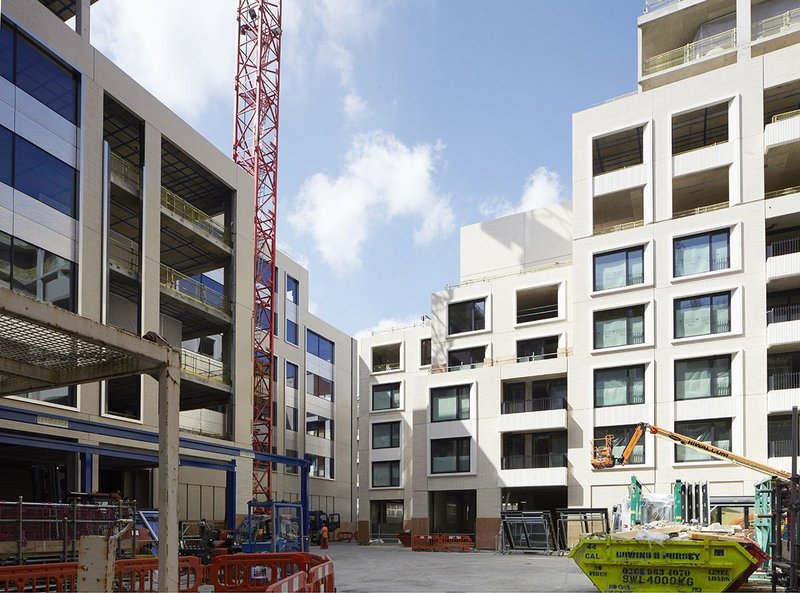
46	79
450	455
703	377
619	386
5	260
468	316
321	467
425	352
44	177
702	315
619	327
292	290
385	474
291	332
319	426
319	346
7	52
715	432
386	435
622	436
42	274
385	396
62	396
537	349
6	156
466	357
291	469
291	375
701	253
450	403
619	268
123	397
316	385
291	418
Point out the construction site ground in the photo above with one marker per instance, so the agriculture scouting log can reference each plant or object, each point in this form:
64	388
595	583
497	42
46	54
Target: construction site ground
390	567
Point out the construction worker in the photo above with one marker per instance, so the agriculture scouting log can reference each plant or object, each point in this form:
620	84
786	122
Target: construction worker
323	536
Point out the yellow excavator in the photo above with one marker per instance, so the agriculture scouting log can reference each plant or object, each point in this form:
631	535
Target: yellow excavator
603	451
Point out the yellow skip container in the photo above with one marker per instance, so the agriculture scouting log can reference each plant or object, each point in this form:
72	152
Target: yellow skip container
672	565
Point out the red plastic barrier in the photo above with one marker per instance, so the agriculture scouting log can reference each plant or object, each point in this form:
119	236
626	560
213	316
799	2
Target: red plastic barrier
44	578
255	572
424	543
451	543
295	583
141	574
321	578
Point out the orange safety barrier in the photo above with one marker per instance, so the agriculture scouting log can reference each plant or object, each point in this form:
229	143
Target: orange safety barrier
58	577
255	572
321	578
141	574
423	543
450	543
292	584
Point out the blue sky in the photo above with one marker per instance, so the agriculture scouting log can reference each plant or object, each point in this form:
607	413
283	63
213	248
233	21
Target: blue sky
401	121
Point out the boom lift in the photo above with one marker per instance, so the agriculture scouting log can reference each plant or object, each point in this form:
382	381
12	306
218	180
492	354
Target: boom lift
603	451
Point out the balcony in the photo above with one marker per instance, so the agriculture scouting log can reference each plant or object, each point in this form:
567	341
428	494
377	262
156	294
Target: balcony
538	404
783	392
189	215
779	193
770	33
618	211
783	259
653	5
205	368
386	358
783	325
705	48
125	174
190	290
123	255
533	415
783	129
545	460
549	469
700	210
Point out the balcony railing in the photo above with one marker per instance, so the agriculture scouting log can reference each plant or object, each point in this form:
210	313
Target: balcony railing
602	230
784	116
203	366
777	24
464	367
538	404
123	254
779	448
784	247
195	216
652	5
385	366
192	289
783	313
689	52
543	356
125	169
534	461
537	313
700	210
779	381
777	193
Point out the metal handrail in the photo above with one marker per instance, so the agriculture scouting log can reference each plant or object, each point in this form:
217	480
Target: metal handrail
779	448
776	24
203	366
777	193
385	366
689	52
464	367
537	404
602	230
123	255
786	115
190	288
784	247
127	170
778	381
783	313
534	357
700	210
544	460
651	5
537	313
196	217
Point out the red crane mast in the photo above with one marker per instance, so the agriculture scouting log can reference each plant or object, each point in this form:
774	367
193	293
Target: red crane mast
255	149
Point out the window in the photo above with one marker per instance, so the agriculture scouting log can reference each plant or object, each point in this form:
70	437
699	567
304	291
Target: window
715	432
702	315
44	177
703	377
622	436
779	436
316	385
319	346
385	474
701	253
321	467
467	357
450	403
291	332
529	450
550	394
291	469
123	397
619	268
291	418
6	156
291	375
7	52
275	368
619	386
468	316
425	352
386	435
450	455
619	327
537	349
292	290
46	79
319	426
62	396
37	272
386	396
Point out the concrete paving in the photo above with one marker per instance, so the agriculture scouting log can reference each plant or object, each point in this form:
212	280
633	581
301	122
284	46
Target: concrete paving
392	568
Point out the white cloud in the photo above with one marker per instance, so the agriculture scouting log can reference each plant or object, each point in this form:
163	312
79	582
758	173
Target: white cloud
182	51
388	323
354	106
382	179
542	187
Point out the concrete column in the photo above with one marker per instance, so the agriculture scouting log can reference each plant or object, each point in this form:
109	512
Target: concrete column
151	231
168	462
82	18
